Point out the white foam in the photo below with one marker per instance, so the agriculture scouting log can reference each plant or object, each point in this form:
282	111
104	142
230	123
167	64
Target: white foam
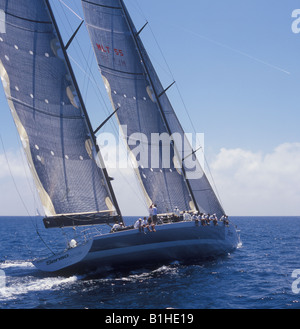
9	264
33	284
142	274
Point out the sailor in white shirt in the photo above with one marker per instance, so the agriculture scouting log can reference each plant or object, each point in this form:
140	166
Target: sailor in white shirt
186	216
139	225
177	212
151	210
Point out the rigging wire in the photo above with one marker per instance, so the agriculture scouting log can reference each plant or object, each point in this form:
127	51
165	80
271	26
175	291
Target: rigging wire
20	196
169	71
13	179
93	79
71	10
220	44
98	93
87	81
84	62
94	83
180	96
30	182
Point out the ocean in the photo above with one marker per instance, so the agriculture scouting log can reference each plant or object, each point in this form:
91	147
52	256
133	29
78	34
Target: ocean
261	274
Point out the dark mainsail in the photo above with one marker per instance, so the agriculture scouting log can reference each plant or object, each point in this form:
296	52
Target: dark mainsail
50	116
134	88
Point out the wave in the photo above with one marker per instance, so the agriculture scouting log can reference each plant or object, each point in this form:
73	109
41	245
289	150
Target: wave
148	274
17	263
15	287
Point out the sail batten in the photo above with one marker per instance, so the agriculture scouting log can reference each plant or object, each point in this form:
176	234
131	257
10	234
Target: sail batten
146	109
49	113
111	70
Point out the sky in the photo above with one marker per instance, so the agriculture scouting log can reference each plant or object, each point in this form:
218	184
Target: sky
237	70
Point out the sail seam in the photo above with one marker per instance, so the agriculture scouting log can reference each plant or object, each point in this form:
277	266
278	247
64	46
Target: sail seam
104	6
28	30
28	19
43	112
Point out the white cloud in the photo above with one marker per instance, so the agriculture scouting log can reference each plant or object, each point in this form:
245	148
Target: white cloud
12	162
259	184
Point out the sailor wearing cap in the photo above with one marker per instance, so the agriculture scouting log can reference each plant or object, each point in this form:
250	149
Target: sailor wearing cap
177	212
139	225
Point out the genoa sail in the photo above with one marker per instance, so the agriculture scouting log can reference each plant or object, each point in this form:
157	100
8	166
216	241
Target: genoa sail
135	89
49	114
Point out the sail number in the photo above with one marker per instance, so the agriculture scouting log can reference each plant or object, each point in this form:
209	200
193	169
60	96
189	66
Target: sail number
107	50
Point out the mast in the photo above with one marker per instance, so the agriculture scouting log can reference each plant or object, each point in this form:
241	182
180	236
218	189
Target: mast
157	96
87	120
133	84
51	119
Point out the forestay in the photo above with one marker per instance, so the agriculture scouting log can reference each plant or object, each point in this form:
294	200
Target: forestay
136	90
48	112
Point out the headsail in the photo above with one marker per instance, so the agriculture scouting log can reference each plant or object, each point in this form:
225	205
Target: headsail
49	114
134	86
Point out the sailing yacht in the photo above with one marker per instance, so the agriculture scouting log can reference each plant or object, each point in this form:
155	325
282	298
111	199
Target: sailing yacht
65	159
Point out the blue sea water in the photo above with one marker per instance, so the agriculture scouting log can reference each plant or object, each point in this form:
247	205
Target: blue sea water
258	275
